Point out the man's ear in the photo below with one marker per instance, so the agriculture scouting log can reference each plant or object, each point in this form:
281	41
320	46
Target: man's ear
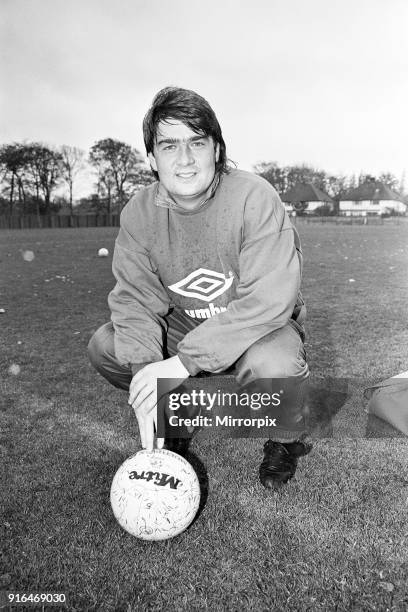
152	161
217	152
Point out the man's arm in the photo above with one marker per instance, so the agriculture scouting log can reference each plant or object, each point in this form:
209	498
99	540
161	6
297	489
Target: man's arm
268	287
138	305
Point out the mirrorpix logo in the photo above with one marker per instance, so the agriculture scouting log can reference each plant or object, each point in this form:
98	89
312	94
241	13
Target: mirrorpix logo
205	285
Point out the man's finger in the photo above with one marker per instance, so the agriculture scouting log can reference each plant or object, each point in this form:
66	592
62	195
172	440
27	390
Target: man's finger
149	434
142	398
159	441
135	389
150	420
147	422
141	424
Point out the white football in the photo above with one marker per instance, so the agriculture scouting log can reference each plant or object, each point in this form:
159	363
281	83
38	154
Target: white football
28	255
155	494
103	252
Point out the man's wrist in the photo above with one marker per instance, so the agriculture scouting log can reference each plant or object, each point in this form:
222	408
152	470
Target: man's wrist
180	365
189	364
135	367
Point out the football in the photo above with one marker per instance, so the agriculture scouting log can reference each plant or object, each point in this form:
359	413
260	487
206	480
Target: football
155	494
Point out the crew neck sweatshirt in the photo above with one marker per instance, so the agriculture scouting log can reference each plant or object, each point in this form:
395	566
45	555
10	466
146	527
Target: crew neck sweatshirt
233	267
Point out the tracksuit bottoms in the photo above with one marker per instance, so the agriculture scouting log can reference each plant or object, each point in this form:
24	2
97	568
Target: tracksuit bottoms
279	354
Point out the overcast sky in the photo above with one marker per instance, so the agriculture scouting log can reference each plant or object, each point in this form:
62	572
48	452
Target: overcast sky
314	81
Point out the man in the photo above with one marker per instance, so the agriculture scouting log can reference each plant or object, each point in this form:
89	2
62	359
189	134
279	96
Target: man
208	270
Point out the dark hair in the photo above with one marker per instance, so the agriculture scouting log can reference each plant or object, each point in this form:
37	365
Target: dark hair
191	109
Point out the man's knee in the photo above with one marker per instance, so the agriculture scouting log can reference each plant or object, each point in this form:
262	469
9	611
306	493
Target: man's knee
100	345
280	354
278	365
101	352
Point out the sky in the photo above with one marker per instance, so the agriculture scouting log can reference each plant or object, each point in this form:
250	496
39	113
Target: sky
317	82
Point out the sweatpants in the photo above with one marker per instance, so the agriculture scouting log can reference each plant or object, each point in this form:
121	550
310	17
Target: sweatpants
279	354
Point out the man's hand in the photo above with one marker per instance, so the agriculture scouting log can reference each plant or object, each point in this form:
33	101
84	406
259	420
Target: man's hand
143	395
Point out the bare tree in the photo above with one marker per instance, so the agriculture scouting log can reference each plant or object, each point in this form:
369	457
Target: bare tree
73	161
117	164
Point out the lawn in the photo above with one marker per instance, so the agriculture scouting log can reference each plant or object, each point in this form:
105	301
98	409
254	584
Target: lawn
336	537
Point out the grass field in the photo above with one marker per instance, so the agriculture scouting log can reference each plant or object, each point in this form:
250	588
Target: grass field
336	538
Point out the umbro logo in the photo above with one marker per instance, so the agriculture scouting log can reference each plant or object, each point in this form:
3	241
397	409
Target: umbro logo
203	284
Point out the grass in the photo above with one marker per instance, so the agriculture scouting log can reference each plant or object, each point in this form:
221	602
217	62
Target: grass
336	538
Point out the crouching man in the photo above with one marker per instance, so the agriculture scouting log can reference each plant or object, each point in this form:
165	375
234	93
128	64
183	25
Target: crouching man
208	271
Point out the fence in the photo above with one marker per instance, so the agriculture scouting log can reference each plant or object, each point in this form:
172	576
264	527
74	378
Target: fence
352	220
112	220
59	221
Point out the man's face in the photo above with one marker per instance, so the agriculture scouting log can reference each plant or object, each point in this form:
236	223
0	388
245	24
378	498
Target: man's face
184	161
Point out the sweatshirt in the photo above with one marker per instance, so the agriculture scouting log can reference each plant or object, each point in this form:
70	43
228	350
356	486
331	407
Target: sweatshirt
233	267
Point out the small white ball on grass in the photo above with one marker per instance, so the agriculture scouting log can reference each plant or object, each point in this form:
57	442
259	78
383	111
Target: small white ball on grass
28	255
103	252
14	369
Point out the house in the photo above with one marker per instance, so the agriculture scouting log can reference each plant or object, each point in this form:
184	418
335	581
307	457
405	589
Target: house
305	197
372	198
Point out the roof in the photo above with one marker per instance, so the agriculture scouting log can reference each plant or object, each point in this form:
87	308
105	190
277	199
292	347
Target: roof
305	192
371	190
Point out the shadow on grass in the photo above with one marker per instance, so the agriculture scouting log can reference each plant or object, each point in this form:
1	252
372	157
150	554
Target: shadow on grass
324	401
378	428
202	475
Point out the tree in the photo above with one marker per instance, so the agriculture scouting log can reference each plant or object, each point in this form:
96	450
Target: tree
401	186
105	186
275	175
46	167
13	163
286	177
72	164
365	178
390	180
142	178
335	186
89	204
28	170
305	174
352	182
262	167
117	165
